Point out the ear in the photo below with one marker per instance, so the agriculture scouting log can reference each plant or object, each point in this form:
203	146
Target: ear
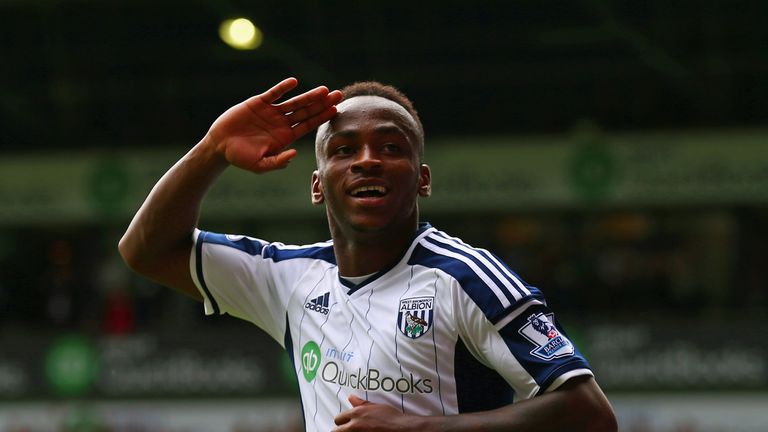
317	189
425	181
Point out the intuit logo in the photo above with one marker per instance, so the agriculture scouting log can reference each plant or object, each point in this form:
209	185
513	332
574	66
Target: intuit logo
310	360
372	379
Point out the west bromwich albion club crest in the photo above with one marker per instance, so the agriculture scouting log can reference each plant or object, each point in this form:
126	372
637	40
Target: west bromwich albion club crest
414	316
549	342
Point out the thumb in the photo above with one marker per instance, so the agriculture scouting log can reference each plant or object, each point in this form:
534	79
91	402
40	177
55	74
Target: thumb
275	162
356	401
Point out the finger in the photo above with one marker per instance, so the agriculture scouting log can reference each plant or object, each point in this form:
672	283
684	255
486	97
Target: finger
305	112
296	102
336	96
356	401
302	114
278	90
276	162
301	129
299	116
342	418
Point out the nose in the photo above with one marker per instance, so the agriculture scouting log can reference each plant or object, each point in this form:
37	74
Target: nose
366	159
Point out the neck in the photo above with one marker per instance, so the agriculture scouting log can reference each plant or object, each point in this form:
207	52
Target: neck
360	253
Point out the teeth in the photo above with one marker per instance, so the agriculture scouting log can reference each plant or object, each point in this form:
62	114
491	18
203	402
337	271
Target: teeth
380	189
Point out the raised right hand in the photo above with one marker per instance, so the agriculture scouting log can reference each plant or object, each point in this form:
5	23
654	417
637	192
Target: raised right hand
255	134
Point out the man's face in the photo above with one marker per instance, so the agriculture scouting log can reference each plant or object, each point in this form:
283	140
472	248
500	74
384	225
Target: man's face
369	172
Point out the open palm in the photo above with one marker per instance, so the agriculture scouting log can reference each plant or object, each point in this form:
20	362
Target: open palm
255	134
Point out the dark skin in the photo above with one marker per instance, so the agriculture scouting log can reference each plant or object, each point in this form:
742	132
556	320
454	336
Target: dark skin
578	405
370	144
369	177
254	135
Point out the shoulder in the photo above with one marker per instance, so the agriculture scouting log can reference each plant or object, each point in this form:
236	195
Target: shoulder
319	251
482	276
268	250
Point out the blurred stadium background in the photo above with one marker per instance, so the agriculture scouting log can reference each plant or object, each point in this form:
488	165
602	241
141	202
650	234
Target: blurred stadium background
614	153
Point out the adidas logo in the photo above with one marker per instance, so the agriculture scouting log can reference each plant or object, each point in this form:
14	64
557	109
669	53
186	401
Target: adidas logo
319	304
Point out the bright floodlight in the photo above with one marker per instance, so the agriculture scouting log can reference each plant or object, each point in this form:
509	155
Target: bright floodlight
240	33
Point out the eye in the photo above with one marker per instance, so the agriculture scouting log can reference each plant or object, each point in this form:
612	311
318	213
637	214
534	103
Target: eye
342	150
391	147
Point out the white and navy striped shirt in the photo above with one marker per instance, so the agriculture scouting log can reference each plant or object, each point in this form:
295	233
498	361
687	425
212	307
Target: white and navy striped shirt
448	329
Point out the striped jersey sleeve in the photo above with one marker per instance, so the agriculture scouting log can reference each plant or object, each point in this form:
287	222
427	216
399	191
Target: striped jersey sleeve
488	281
250	278
504	322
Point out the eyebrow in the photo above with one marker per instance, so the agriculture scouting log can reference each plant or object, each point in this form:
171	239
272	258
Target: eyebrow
387	129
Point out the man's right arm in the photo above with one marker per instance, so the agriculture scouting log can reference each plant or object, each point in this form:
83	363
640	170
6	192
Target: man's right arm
252	135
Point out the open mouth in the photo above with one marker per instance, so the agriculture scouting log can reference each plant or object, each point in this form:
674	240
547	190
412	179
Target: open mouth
369	192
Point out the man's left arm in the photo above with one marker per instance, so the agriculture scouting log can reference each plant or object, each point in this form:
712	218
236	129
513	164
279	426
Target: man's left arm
552	382
577	405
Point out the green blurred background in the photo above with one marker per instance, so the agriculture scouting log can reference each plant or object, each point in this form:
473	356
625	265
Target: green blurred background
615	154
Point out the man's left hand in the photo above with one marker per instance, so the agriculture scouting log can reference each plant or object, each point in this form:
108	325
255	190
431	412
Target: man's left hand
369	416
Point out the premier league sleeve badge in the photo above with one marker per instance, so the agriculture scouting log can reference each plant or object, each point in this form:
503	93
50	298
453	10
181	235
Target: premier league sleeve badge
549	342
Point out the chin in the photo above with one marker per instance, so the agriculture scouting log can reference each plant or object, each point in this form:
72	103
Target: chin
374	222
377	225
369	227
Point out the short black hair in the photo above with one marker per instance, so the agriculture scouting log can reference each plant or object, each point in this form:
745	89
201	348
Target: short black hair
375	88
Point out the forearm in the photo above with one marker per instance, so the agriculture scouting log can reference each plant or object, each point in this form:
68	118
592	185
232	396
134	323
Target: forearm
163	225
579	406
253	135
